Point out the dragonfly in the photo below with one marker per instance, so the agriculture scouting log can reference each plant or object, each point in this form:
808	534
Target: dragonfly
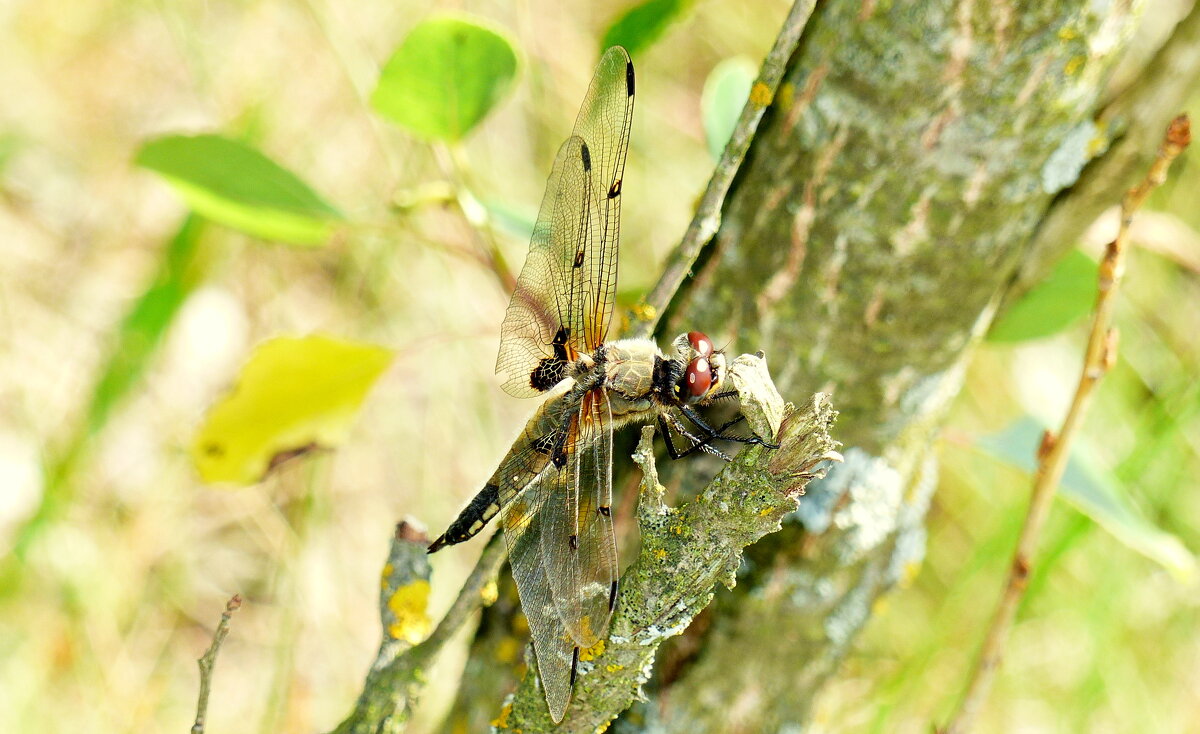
553	489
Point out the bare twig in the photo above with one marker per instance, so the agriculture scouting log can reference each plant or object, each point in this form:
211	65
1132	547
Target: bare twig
707	219
1054	450
399	674
209	660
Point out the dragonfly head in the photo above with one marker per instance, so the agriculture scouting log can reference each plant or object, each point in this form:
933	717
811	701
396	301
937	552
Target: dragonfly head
705	367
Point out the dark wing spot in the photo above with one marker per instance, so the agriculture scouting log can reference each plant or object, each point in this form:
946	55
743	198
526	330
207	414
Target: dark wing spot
559	459
612	596
615	190
574	665
561	337
545	444
547	374
579	258
574	542
629	77
587	157
605	510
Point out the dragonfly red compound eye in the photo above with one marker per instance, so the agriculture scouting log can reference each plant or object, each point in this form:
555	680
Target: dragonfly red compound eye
700	342
699	377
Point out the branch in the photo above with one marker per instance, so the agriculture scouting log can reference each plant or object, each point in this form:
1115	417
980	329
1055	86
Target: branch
686	551
209	660
1053	453
398	674
707	219
1131	122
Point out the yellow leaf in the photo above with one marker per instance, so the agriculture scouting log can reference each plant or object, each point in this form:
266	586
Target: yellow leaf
294	395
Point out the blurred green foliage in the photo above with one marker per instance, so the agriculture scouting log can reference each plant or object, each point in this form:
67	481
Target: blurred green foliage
445	78
1090	487
643	24
726	91
231	183
1063	298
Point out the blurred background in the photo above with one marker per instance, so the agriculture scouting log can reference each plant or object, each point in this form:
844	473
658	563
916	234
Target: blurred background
122	321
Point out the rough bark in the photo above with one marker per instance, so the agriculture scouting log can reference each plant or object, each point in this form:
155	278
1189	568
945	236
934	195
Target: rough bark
890	198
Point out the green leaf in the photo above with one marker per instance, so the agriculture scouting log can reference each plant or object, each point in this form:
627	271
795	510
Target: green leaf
643	24
142	329
231	183
294	395
725	93
445	78
1064	297
1094	492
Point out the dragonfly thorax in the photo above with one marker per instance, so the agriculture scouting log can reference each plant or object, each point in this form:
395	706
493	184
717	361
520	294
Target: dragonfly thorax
645	378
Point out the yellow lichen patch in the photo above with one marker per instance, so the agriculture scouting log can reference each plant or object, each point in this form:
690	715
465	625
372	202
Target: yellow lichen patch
660	554
760	94
786	96
765	511
592	652
501	721
613	667
489	593
644	312
603	727
408	606
911	569
585	626
383	577
1068	33
1074	65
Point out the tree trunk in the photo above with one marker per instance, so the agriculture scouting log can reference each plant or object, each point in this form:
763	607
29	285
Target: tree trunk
917	163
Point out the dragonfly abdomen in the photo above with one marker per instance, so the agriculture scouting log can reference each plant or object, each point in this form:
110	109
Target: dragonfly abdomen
472	519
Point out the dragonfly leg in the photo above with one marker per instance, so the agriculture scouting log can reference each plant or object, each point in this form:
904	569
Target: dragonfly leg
667	424
719	433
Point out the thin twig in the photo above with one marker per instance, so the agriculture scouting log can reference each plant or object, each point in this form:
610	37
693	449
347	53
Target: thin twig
1054	450
209	660
707	219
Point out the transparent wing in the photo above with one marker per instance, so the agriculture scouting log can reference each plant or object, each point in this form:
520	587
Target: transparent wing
553	646
579	547
563	300
530	524
604	121
563	550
